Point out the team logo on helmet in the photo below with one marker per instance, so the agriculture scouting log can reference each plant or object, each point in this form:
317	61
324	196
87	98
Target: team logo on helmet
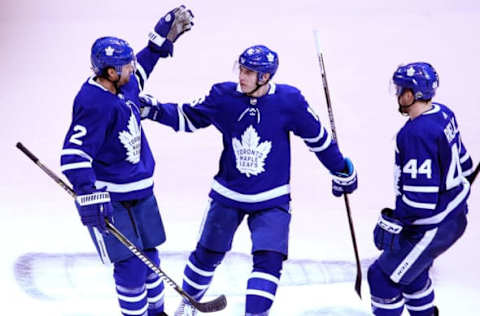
109	51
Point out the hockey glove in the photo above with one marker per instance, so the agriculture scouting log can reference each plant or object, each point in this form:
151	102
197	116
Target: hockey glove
94	208
387	232
149	107
171	26
346	180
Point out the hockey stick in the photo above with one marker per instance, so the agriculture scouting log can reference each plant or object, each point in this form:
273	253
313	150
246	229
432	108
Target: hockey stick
358	280
207	307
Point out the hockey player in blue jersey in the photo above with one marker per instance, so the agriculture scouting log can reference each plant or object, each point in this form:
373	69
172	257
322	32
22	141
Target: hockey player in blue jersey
108	160
432	174
255	118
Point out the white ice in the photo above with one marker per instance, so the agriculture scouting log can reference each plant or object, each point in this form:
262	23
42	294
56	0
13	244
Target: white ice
45	58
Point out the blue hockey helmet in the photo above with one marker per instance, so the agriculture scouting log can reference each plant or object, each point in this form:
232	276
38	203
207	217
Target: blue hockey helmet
112	52
420	77
261	59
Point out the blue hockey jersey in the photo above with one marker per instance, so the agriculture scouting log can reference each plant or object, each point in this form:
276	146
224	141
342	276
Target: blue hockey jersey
431	164
105	145
255	161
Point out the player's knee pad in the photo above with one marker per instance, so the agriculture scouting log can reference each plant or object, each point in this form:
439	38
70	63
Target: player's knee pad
386	295
263	282
206	258
268	261
130	273
152	254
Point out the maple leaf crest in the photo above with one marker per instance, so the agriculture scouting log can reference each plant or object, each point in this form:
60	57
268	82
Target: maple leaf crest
250	153
132	140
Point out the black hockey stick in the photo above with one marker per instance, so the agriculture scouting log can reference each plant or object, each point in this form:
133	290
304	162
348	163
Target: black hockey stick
206	307
358	280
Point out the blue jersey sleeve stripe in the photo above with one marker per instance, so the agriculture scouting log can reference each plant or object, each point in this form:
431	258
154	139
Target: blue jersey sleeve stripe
422	189
181	114
76	165
76	152
316	139
325	144
428	206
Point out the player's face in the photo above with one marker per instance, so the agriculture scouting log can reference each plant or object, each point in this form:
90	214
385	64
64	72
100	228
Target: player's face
405	100
247	79
127	71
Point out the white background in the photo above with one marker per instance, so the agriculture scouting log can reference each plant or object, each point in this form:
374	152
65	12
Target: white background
45	48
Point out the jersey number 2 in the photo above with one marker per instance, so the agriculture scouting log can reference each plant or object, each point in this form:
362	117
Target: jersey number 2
80	132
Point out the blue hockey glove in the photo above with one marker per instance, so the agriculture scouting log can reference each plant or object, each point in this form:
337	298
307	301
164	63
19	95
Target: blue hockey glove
387	232
171	26
149	107
94	207
344	181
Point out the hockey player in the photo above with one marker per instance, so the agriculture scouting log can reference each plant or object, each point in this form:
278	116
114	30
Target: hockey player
431	171
108	160
255	118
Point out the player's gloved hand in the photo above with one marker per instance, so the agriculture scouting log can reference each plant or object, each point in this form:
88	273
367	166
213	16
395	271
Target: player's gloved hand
346	180
171	26
94	207
387	232
149	107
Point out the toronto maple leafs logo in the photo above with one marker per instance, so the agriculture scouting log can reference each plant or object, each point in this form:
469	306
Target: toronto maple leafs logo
132	140
250	153
109	51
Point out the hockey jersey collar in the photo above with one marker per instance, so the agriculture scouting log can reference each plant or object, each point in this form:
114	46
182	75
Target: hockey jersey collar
271	90
435	108
92	82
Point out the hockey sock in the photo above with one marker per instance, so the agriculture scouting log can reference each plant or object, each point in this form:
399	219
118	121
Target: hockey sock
155	286
199	271
419	296
263	282
130	276
386	297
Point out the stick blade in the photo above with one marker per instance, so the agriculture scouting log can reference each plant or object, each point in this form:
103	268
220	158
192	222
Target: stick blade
211	306
358	285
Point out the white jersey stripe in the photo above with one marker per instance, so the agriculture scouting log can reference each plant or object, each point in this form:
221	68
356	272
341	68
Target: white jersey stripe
142	72
316	139
413	255
250	198
468	172
125	187
428	206
76	165
423	189
324	146
157	298
181	120
76	152
189	123
464	158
